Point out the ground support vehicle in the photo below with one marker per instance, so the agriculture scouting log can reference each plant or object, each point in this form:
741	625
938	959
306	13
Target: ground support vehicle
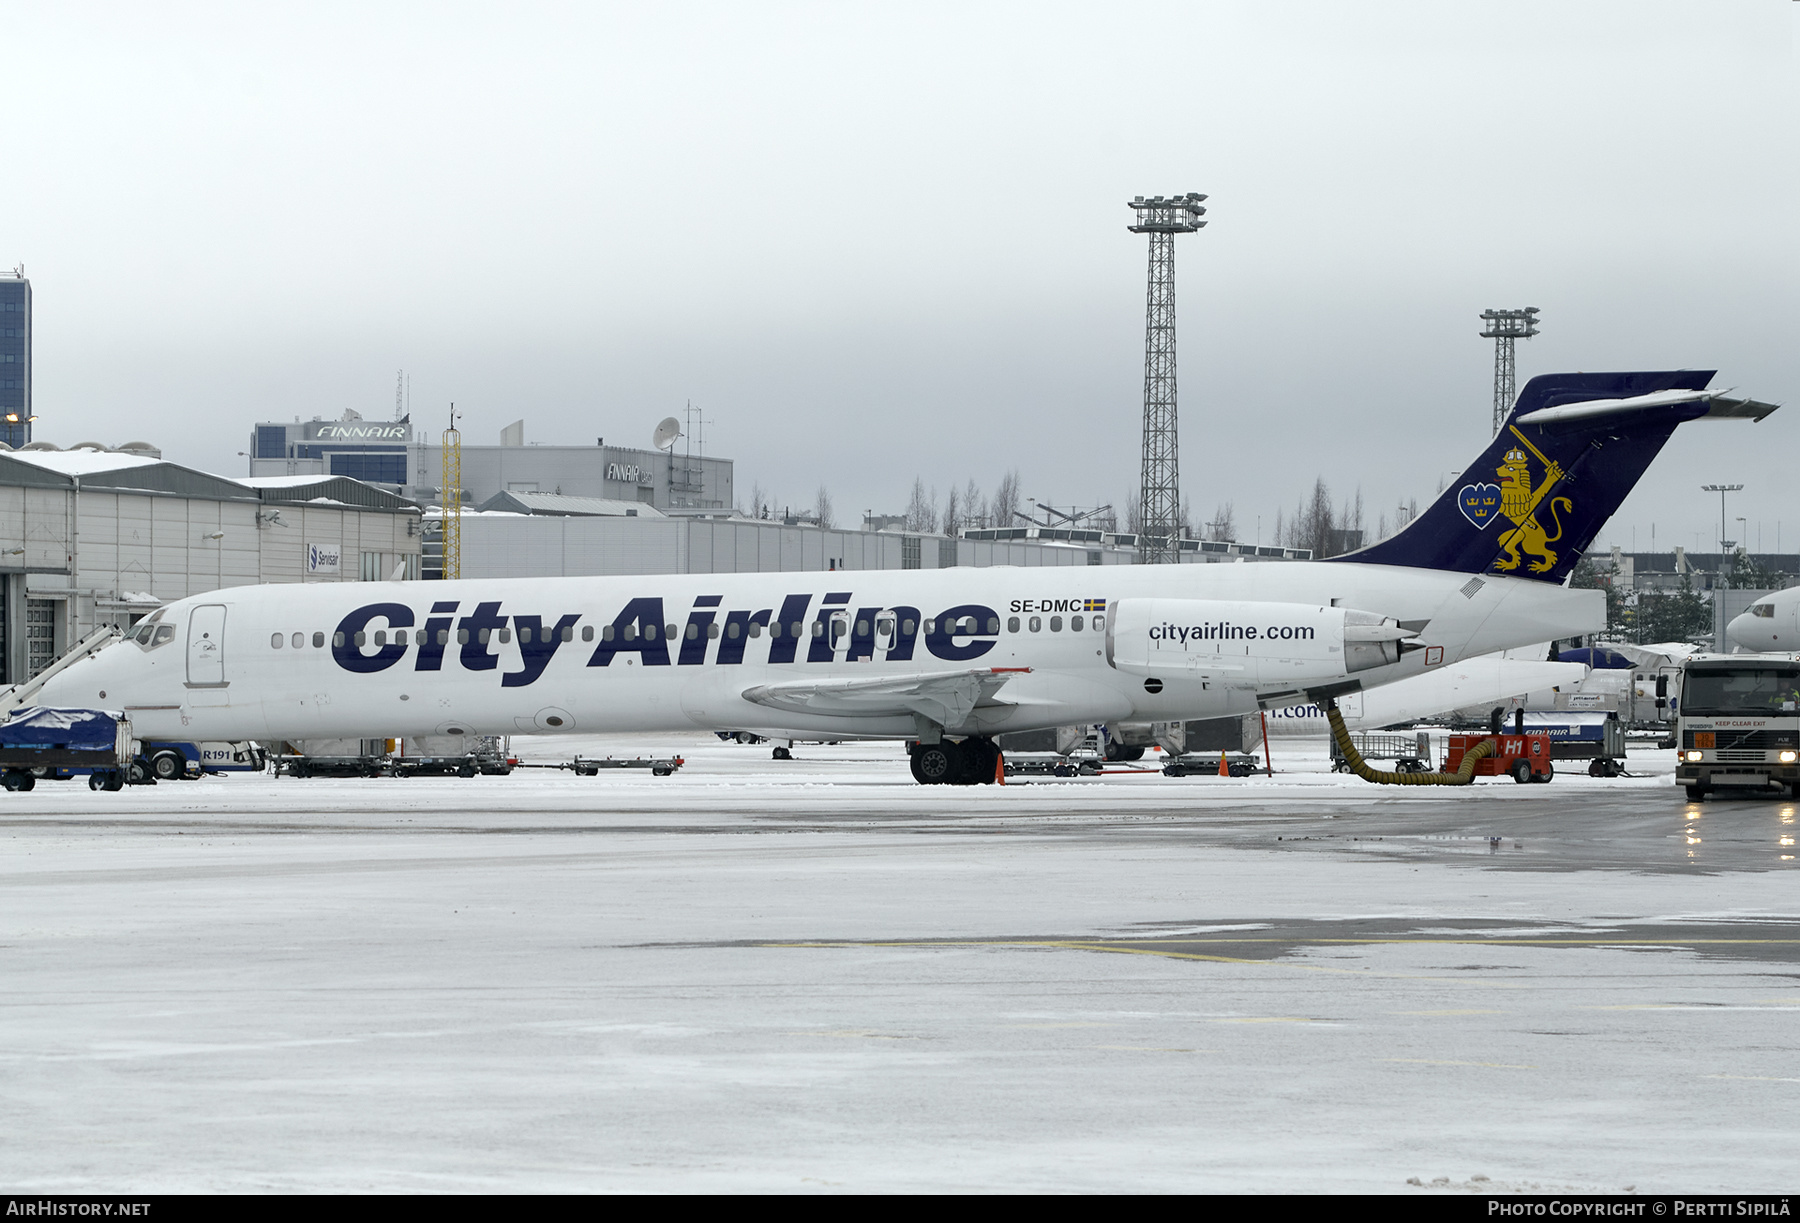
1202	765
1522	757
178	761
660	766
1410	753
1598	738
1055	766
45	742
1739	727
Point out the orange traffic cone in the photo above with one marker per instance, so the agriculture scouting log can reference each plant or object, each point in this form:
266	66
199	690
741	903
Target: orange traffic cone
1224	769
999	769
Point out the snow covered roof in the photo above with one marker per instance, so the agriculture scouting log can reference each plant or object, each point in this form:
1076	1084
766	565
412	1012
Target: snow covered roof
81	462
556	503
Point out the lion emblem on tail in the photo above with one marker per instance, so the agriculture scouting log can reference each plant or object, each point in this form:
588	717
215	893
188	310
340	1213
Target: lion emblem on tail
1519	504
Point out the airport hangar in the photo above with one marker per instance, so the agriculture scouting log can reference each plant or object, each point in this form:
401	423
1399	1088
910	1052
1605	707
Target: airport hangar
93	536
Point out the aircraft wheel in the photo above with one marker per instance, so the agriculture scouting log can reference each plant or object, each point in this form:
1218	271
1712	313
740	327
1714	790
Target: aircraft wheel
935	764
979	758
168	766
1521	771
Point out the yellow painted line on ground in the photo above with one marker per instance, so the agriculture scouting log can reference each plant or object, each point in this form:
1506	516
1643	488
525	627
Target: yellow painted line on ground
1429	1061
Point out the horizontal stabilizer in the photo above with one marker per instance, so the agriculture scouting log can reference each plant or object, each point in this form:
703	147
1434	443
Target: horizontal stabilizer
1566	457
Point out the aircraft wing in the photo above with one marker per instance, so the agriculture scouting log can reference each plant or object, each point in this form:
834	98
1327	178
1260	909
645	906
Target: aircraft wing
945	697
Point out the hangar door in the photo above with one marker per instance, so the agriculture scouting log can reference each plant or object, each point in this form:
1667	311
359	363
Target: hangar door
206	647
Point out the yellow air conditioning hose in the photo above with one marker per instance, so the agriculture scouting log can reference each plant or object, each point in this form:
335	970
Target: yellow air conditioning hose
1360	767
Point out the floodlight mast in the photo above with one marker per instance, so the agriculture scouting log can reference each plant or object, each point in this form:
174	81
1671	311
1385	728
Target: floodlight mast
1504	327
1722	489
1159	501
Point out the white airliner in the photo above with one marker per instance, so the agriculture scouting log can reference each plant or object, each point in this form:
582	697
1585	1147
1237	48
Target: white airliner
1771	626
949	658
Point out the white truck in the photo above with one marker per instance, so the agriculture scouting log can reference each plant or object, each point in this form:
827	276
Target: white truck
1739	726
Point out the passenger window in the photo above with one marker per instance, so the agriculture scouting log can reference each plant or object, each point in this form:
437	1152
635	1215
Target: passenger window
380	637
906	628
568	633
318	641
362	639
993	624
712	631
462	636
400	637
693	631
930	627
794	629
483	635
818	628
1037	624
587	632
775	629
275	641
1099	624
671	631
1012	624
630	633
1056	624
756	630
862	628
731	630
649	632
299	641
1074	624
505	636
524	636
337	641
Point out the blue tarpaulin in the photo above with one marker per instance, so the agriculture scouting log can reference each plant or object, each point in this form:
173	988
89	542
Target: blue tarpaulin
81	730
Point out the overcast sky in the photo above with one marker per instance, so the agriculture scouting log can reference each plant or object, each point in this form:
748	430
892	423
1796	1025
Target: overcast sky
879	242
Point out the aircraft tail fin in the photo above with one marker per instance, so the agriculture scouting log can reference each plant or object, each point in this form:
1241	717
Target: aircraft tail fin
1570	451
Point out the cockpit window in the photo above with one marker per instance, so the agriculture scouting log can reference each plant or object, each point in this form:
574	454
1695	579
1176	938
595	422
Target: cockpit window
148	636
1764	610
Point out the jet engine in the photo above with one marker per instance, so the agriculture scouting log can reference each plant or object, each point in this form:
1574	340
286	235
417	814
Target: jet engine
1250	644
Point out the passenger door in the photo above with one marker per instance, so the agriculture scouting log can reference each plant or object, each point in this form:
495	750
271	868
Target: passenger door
206	647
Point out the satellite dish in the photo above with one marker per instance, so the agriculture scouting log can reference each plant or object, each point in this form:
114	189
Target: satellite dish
666	433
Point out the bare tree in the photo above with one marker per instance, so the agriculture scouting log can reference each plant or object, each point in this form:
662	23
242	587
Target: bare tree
759	502
823	509
1223	527
1184	521
921	511
952	512
974	510
1134	514
1005	502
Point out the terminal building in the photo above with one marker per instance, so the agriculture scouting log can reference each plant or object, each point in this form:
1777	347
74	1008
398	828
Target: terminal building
92	537
389	454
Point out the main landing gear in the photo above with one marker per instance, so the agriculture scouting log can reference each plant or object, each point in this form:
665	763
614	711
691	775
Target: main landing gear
972	762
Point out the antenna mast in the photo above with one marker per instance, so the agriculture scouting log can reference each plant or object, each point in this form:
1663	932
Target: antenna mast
1503	328
452	498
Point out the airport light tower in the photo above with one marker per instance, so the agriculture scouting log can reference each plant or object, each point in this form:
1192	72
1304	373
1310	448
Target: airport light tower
1722	489
1503	328
1159	502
